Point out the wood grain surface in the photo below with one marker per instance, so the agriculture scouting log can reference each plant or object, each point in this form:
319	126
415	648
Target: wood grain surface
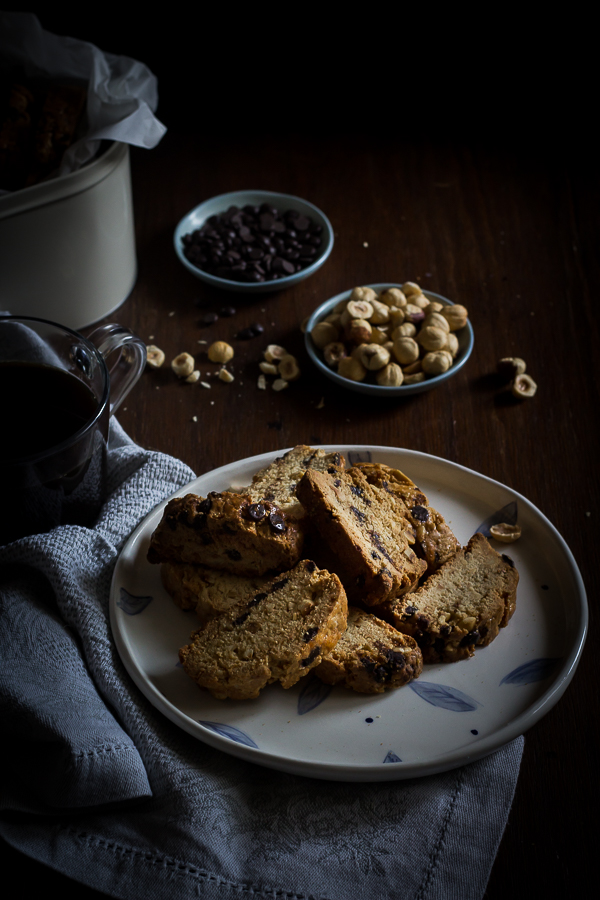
506	226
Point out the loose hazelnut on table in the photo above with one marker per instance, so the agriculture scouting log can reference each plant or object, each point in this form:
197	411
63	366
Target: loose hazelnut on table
288	368
220	352
274	353
511	366
523	386
183	365
154	356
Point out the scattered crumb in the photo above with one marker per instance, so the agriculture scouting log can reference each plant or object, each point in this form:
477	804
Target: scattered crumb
365	244
321	403
205	384
194	418
172	313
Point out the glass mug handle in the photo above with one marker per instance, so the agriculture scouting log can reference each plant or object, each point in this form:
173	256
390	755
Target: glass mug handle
127	366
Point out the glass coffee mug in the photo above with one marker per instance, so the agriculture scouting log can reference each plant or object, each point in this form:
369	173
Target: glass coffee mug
56	398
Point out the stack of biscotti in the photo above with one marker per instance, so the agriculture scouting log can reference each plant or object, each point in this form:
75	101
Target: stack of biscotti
279	634
461	606
277	482
360	524
434	540
226	531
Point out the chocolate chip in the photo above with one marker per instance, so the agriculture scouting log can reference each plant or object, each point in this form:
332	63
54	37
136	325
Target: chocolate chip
311	656
205	505
309	635
420	513
246	334
227	311
277	522
310	566
285	242
256	511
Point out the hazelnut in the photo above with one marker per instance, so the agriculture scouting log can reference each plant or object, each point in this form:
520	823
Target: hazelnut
431	338
419	300
154	356
390	376
523	386
183	365
410	287
407	329
358	331
226	376
360	309
374	357
268	368
352	369
456	315
414	379
406	350
434	318
274	353
505	533
511	366
397	315
333	353
436	363
451	344
363	293
193	377
379	335
322	334
413	313
220	352
288	368
417	366
381	313
393	297
280	384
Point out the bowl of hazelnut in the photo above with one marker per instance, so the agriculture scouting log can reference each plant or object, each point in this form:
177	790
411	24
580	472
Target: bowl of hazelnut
253	241
389	340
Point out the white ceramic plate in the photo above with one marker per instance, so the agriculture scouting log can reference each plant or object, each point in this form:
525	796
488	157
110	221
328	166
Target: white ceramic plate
451	715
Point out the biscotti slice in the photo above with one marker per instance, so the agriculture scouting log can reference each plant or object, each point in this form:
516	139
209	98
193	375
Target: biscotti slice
459	607
278	635
371	657
277	482
360	524
226	531
208	591
434	540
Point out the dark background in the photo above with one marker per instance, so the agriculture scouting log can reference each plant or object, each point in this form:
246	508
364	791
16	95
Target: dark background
506	107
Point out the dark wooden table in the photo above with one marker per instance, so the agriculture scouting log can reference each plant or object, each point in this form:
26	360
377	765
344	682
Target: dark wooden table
505	225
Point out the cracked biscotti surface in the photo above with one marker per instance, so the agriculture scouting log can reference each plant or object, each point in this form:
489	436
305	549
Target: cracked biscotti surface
361	525
278	635
371	657
277	482
461	606
434	540
208	591
227	531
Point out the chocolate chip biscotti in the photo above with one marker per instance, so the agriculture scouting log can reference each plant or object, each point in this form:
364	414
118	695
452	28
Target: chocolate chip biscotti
371	657
277	482
434	540
226	531
361	525
208	591
461	606
278	635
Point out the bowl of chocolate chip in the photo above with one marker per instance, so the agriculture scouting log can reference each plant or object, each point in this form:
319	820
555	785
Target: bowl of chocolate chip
253	241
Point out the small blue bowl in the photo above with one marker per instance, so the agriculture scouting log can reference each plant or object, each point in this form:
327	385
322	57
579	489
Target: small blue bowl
465	346
196	218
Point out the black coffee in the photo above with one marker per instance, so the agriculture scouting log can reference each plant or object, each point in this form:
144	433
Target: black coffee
41	407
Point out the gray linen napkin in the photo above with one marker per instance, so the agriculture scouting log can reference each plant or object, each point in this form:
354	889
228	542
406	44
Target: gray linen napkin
99	785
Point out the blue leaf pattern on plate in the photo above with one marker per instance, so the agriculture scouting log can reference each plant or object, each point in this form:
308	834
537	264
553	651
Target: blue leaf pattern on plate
231	732
534	670
391	757
312	694
507	514
355	456
444	696
131	604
